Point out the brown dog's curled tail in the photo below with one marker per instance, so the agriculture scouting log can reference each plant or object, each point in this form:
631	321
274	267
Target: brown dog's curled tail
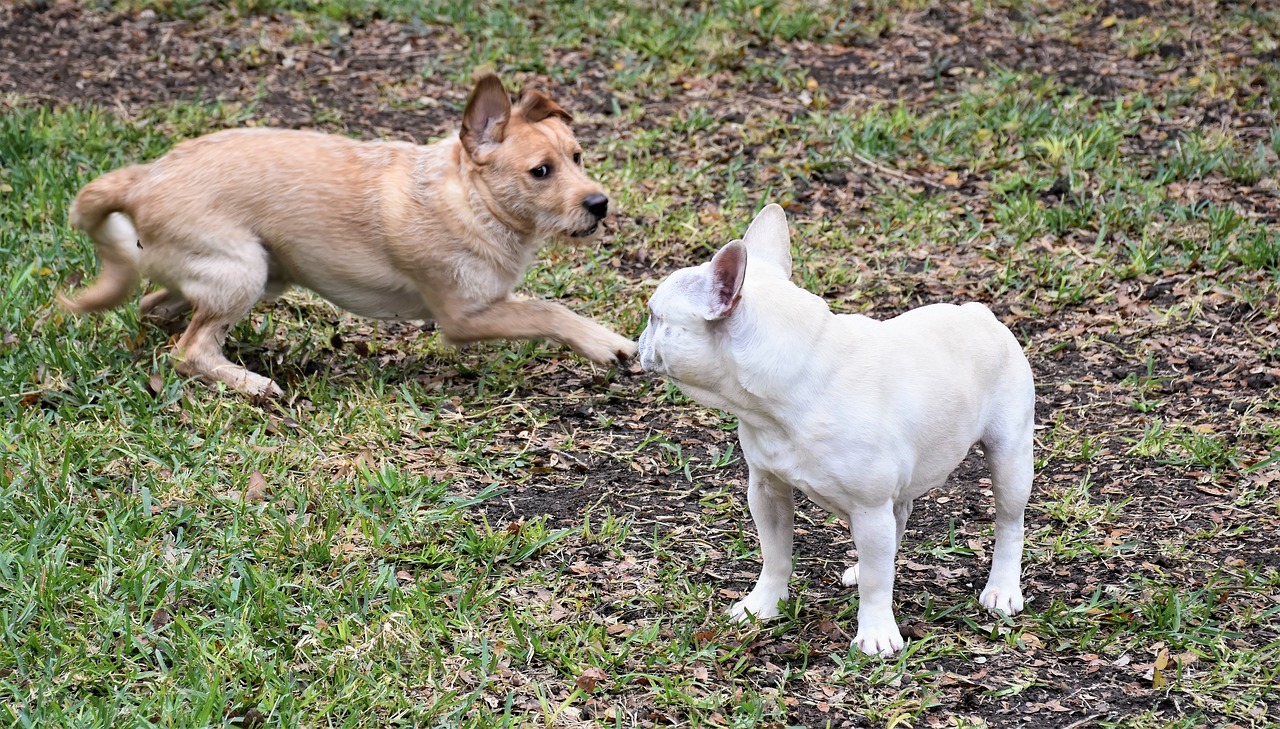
114	238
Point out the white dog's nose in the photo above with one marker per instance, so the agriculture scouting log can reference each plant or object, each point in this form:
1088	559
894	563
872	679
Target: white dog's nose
645	351
646	362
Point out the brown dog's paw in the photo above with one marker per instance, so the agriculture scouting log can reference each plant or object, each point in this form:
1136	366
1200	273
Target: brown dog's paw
163	306
608	350
257	386
626	353
250	384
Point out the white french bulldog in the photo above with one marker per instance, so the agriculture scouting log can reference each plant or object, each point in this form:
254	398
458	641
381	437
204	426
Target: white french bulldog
861	415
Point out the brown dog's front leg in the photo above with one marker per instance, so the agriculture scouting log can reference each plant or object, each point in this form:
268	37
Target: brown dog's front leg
537	319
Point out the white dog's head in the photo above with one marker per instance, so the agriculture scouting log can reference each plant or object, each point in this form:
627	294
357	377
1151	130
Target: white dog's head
691	310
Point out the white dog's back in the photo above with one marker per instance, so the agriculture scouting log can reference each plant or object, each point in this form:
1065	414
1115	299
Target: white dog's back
931	383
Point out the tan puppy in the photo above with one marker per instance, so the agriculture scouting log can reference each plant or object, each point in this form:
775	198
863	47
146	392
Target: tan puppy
388	230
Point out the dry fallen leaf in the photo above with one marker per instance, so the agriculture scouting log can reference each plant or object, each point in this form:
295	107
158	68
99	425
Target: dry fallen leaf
913	629
590	678
256	492
253	717
1158	679
366	460
832	630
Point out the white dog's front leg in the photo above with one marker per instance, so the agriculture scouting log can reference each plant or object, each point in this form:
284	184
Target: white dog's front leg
901	513
875	535
773	510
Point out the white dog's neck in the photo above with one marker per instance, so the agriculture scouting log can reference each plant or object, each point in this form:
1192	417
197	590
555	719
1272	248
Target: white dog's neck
764	386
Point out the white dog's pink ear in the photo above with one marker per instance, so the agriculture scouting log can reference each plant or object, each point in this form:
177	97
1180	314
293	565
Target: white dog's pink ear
769	239
728	269
484	122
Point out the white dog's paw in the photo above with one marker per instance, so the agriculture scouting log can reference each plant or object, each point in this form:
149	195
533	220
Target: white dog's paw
758	605
1002	599
878	639
850	576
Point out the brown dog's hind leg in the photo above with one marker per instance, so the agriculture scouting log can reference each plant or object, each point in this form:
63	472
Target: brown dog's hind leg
199	352
165	305
222	292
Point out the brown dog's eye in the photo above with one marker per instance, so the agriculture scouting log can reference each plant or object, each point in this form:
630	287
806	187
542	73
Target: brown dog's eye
540	171
577	158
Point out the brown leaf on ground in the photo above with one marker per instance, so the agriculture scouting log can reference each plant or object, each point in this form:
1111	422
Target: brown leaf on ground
589	679
256	491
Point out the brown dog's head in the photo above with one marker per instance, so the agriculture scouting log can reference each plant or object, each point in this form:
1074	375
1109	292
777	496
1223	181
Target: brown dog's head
529	161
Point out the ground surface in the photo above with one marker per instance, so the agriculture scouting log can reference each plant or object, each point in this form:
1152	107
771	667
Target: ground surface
506	536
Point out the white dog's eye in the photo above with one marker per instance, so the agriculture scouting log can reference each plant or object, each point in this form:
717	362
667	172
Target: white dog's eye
540	171
577	158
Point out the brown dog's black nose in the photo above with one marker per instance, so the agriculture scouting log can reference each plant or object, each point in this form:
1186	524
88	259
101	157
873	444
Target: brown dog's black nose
596	204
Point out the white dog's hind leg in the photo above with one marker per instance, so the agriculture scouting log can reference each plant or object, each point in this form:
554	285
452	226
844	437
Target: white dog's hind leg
901	513
1011	473
773	509
874	534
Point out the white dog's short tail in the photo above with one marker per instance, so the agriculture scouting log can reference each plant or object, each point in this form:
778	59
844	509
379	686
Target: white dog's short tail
99	210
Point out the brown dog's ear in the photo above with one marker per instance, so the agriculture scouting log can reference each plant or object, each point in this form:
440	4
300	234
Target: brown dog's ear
728	269
535	106
484	122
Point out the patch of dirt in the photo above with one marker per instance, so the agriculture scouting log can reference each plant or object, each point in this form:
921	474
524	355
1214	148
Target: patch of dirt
124	62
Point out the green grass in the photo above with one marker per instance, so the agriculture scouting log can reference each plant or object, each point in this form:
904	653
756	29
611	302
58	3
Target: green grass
651	43
383	579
